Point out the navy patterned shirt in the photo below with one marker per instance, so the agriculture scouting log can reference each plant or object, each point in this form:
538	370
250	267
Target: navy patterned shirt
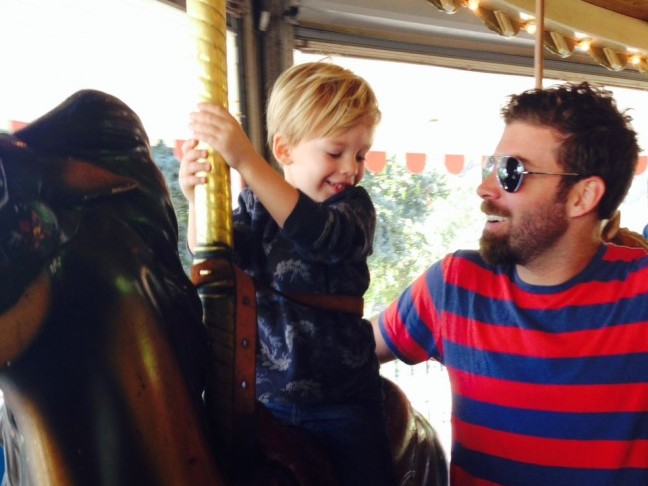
308	355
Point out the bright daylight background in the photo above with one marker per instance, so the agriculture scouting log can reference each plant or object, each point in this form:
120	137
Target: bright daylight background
140	51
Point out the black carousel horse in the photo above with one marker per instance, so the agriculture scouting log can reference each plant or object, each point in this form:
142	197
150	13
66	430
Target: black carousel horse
103	353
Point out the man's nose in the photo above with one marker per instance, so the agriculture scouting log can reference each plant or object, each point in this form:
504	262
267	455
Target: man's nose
489	186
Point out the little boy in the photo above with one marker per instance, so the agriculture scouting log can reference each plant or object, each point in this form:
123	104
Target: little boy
311	232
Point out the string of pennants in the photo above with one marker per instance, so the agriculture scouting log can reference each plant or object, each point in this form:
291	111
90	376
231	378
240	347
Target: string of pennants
455	164
414	162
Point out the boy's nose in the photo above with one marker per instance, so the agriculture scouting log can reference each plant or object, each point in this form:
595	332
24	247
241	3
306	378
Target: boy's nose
349	166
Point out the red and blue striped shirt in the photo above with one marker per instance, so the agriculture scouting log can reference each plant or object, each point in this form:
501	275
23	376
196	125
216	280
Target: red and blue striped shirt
550	384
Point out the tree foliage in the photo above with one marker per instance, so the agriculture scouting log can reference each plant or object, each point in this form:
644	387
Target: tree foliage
169	165
402	245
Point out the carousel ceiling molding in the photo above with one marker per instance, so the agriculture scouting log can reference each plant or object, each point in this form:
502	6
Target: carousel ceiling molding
613	40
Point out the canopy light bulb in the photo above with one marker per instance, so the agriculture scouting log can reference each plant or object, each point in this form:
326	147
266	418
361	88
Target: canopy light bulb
530	26
584	44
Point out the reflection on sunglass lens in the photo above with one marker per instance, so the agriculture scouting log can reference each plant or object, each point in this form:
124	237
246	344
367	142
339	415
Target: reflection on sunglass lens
509	173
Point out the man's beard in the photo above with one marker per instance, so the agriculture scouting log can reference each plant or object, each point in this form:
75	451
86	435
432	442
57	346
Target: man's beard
525	241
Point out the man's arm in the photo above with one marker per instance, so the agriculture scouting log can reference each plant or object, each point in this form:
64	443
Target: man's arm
382	350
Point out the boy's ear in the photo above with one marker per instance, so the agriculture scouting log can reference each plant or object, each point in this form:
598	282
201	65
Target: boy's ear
281	149
587	195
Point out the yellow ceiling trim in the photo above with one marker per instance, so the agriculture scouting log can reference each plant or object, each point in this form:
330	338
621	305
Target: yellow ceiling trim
601	25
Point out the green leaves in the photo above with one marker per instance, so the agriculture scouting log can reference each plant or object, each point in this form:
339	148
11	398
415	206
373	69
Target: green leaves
415	226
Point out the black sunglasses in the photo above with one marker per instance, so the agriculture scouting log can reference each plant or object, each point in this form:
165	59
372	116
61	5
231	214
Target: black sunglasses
510	171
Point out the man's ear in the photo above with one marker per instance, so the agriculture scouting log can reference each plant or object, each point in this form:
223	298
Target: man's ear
586	195
281	149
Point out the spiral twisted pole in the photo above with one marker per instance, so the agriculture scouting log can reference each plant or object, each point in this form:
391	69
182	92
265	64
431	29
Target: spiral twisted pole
227	294
214	199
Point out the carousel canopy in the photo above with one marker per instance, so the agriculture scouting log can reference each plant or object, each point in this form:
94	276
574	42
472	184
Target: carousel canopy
579	35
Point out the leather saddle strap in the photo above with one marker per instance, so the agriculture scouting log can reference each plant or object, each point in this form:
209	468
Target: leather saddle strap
348	304
337	303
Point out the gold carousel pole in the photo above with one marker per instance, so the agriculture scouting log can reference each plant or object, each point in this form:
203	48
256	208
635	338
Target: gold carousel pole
226	293
539	44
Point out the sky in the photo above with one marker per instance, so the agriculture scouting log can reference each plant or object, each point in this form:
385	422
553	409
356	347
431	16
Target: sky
52	48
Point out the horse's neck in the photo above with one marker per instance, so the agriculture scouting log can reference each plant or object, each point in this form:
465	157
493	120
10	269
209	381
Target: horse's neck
132	419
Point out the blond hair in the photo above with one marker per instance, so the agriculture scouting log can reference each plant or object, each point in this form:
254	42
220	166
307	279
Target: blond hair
319	99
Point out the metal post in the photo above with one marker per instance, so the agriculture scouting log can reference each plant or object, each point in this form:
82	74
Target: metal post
227	296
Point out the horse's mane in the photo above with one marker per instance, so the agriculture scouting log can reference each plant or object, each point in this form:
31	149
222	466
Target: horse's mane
99	129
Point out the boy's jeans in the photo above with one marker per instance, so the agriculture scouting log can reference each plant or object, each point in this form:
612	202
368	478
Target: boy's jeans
354	436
